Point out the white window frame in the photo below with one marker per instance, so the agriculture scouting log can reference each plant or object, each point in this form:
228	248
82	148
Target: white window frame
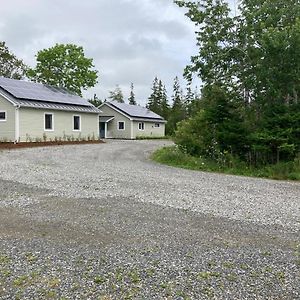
77	130
156	125
142	127
3	111
52	114
119	125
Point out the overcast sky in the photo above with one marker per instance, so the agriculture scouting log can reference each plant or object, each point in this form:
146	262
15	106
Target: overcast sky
129	40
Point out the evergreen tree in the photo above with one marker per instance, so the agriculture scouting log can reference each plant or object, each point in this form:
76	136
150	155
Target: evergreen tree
131	98
216	129
192	101
177	112
165	108
189	100
277	136
116	95
255	58
189	96
154	101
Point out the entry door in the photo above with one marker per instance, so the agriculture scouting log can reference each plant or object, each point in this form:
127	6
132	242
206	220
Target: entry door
102	130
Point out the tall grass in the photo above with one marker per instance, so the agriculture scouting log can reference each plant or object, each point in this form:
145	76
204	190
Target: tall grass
173	156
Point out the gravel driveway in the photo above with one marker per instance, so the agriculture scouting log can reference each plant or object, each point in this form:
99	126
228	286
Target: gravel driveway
104	222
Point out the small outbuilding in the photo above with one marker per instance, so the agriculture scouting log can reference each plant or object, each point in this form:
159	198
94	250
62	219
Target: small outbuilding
124	121
32	112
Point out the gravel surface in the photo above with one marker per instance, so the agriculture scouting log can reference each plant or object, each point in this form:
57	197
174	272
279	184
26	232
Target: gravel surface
104	222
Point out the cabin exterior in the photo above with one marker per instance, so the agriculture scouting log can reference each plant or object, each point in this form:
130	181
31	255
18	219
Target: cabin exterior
124	121
31	112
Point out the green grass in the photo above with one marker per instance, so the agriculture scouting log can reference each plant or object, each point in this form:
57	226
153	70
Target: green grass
172	156
153	137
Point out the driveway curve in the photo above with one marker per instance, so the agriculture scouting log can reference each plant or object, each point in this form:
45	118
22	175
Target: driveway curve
122	169
103	221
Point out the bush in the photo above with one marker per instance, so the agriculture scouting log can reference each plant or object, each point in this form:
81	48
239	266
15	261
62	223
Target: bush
174	156
216	128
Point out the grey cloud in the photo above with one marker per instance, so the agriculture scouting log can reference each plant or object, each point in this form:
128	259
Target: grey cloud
129	40
21	30
129	49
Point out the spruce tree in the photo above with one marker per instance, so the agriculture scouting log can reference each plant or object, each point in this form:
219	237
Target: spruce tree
131	98
189	99
255	58
165	108
177	113
154	101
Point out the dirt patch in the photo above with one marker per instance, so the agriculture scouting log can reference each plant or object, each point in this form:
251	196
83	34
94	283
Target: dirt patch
45	144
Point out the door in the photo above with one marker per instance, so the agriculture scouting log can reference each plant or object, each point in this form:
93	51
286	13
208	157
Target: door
102	130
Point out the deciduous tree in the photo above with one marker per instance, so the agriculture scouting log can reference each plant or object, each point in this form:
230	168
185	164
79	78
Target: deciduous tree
116	94
96	101
10	65
64	65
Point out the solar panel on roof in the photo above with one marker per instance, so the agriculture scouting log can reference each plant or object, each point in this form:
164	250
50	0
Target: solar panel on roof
39	92
136	110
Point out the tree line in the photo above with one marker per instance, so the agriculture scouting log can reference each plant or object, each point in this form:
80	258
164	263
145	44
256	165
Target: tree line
179	106
66	66
248	108
249	64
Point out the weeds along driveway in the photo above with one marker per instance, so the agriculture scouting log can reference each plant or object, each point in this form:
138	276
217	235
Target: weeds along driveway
104	221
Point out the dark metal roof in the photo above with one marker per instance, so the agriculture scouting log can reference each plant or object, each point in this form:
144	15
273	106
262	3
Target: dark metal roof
57	106
31	91
135	111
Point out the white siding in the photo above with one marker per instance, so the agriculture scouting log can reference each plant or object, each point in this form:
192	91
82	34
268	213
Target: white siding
112	126
32	125
7	128
149	129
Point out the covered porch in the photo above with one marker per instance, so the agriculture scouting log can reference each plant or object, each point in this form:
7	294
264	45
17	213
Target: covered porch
103	124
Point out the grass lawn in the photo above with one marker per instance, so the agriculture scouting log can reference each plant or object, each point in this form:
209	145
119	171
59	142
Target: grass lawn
173	156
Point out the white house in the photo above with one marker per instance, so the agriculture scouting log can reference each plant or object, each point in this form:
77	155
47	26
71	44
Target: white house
124	121
32	112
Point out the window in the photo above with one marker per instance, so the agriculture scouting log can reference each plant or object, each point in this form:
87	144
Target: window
141	126
157	125
49	122
76	123
2	116
121	125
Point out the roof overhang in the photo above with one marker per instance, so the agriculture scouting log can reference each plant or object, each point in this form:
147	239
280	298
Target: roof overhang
132	118
7	97
116	109
57	106
149	120
105	119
